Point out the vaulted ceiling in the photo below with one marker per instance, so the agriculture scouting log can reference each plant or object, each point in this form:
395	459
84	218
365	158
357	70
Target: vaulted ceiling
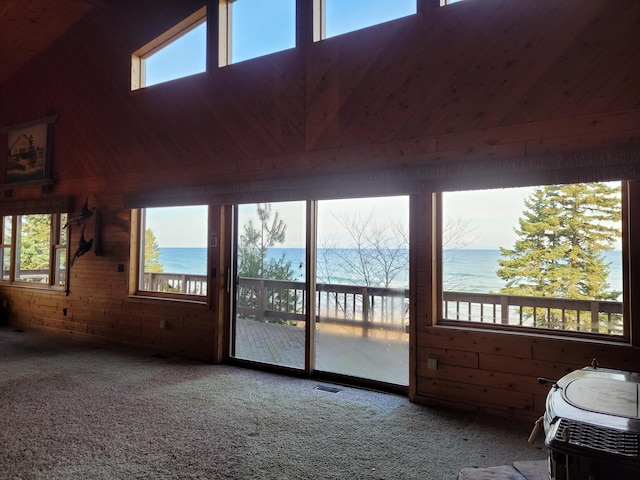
27	27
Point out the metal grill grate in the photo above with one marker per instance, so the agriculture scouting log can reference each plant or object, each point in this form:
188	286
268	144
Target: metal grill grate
598	438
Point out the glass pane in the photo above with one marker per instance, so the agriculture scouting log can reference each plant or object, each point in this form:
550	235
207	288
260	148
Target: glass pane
33	244
346	16
63	231
186	55
261	27
544	257
269	322
362	284
6	263
6	235
174	250
61	266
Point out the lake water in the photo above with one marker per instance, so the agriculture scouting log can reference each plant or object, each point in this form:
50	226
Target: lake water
464	270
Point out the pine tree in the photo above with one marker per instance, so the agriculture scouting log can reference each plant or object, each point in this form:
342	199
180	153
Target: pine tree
35	234
252	257
562	234
151	253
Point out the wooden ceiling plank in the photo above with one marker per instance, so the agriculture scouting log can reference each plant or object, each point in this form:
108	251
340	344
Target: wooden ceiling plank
31	26
620	91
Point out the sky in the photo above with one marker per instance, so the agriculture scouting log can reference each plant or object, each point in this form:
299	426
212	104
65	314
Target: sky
490	215
265	26
260	27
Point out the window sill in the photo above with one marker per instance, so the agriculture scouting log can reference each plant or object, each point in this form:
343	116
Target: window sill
144	298
533	332
34	286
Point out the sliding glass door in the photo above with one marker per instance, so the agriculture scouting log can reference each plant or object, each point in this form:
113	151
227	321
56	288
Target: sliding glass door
363	288
355	283
268	324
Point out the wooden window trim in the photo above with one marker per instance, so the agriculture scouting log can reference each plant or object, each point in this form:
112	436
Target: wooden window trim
630	336
54	245
136	254
139	56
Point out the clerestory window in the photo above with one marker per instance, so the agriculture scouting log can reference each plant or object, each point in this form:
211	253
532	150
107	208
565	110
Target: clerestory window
254	28
547	257
335	17
179	52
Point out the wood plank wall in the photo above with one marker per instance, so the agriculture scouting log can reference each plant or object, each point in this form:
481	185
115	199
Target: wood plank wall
463	85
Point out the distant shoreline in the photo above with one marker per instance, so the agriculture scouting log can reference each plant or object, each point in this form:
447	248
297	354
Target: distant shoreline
465	270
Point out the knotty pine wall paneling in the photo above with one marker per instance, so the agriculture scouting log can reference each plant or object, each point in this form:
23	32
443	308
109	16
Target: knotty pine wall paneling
484	93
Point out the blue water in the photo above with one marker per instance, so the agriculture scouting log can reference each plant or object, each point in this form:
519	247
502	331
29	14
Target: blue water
184	260
464	270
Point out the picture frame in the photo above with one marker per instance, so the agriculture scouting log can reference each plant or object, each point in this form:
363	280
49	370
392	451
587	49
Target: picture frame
28	158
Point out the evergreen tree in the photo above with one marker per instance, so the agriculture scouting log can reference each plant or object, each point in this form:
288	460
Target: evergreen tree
562	234
253	263
35	234
255	243
151	253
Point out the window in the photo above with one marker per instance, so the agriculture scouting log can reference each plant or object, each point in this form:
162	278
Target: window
253	28
177	53
60	249
540	257
40	253
7	223
173	251
448	2
335	17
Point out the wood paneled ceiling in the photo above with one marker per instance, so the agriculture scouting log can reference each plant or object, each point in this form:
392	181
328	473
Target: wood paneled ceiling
27	27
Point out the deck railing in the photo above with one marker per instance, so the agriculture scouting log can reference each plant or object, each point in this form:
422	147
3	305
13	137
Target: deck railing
541	312
383	309
185	283
370	308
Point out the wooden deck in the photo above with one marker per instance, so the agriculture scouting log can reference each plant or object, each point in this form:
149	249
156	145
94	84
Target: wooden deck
377	356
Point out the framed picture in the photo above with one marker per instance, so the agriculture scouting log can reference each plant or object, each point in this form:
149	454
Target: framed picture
29	152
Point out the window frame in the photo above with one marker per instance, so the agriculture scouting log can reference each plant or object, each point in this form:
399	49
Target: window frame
138	58
320	21
440	320
55	245
225	34
136	268
7	220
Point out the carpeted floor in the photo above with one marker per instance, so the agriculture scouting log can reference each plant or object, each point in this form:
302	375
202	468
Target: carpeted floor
74	409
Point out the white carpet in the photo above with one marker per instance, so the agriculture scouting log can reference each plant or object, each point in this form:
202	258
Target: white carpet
76	410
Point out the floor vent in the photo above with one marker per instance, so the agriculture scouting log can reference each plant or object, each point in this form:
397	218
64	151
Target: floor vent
159	355
326	388
18	330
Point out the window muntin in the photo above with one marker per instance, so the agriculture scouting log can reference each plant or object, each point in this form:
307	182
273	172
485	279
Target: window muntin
34	249
173	251
179	52
254	28
526	257
335	17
